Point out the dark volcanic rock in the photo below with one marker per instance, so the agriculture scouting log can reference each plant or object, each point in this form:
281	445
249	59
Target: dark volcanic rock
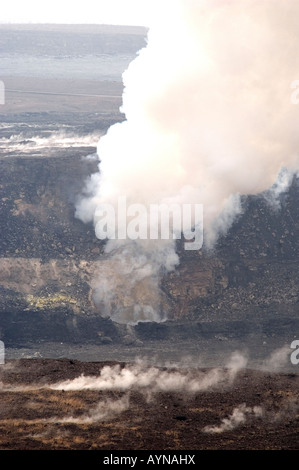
250	280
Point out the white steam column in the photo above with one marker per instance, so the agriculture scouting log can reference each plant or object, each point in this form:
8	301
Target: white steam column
209	117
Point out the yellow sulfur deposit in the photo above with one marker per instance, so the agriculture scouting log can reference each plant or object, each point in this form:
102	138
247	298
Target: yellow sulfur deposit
50	301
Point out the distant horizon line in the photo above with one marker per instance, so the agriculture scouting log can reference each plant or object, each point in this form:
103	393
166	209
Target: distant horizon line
50	23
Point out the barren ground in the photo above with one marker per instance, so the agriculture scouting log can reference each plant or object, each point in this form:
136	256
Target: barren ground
34	416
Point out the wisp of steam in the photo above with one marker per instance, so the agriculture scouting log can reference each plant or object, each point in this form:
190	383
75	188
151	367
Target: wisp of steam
209	117
237	418
151	380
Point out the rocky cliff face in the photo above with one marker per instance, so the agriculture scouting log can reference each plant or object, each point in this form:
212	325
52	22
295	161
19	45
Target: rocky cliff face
252	270
48	257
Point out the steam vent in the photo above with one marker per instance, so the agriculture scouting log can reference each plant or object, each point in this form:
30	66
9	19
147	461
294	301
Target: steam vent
57	281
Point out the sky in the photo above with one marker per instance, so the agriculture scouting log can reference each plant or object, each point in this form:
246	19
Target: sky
124	12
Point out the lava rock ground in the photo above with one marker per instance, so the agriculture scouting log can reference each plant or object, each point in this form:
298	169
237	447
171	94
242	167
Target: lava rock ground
35	416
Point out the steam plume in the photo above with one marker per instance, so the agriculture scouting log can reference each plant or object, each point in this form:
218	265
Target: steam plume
278	359
209	117
152	379
105	409
28	144
238	417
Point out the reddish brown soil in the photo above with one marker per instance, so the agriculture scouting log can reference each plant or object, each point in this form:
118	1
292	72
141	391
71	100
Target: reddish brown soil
32	418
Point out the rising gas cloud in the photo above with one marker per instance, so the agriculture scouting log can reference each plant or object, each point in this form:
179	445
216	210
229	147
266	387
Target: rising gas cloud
209	117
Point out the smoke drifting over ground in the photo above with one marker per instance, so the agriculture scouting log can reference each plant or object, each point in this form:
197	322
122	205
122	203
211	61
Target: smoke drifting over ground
29	144
149	381
48	403
238	417
105	409
243	414
209	117
152	380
